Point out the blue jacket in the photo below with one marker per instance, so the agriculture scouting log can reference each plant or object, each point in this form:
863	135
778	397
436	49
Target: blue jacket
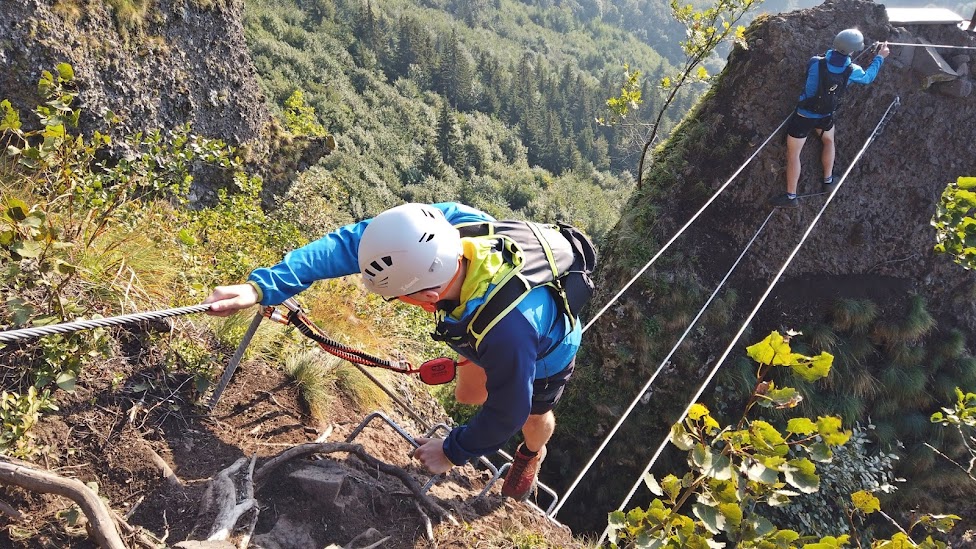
836	63
510	352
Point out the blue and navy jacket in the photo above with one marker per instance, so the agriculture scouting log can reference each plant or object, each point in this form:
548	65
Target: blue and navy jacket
836	63
533	341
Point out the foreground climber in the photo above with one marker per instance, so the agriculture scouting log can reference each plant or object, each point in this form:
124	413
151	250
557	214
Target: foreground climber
518	360
827	79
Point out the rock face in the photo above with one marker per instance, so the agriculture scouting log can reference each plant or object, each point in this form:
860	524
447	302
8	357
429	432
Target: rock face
874	240
185	62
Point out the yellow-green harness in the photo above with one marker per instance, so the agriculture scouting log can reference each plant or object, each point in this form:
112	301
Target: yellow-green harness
507	260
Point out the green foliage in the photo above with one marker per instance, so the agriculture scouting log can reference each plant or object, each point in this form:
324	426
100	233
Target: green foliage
18	413
855	467
955	222
67	213
429	110
962	417
230	239
300	117
738	471
628	100
705	28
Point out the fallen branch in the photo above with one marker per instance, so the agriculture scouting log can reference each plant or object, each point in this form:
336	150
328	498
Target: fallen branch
103	527
11	512
138	534
167	472
246	538
303	450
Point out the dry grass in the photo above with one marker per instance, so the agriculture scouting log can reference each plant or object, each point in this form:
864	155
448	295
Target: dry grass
130	14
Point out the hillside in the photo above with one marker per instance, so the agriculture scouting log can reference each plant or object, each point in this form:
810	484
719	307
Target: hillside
148	225
872	249
125	408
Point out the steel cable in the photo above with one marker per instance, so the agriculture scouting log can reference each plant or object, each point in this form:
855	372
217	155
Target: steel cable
759	303
684	227
39	331
660	368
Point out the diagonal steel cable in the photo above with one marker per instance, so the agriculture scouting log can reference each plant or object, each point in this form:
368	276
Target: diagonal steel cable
684	227
659	369
66	327
759	304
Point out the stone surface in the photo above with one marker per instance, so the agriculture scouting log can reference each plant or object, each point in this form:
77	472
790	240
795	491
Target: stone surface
287	534
931	67
321	482
955	88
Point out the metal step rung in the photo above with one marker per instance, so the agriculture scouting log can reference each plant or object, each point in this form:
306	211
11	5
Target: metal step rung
496	472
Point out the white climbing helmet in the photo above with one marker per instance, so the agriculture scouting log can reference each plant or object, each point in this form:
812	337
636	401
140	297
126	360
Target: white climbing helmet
407	249
849	41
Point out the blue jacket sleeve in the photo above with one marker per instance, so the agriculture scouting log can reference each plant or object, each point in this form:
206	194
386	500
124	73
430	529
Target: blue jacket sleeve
335	254
866	76
508	356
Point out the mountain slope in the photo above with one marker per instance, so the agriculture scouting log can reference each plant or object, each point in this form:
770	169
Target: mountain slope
873	243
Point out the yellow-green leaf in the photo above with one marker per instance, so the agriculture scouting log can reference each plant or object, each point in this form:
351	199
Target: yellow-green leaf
801	426
865	502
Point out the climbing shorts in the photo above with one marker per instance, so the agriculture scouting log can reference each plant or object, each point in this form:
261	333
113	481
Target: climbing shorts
801	126
546	392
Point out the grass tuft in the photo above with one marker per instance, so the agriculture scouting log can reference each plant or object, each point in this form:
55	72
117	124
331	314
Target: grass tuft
953	346
130	14
312	371
854	315
919	321
822	338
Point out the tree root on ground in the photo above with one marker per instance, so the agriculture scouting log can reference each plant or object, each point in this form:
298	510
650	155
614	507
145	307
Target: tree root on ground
220	500
303	450
103	526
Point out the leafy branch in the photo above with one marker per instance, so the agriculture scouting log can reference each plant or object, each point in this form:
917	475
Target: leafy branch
735	471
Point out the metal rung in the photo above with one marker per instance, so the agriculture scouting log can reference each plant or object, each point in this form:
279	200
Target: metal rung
496	472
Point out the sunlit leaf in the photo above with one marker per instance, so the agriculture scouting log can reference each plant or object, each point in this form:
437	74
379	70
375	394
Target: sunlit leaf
681	438
713	521
801	426
652	484
865	502
802	474
815	368
830	430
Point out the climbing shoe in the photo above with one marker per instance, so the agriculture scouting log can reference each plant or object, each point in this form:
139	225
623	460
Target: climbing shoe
523	475
829	185
783	201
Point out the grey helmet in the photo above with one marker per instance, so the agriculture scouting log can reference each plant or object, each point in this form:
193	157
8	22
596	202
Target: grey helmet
849	41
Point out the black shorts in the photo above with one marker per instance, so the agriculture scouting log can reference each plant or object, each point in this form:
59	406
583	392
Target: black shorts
801	126
546	392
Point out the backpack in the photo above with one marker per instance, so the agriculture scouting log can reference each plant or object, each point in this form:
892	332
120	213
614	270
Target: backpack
830	88
559	257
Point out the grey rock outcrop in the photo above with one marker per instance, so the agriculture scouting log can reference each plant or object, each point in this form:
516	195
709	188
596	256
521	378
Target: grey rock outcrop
183	64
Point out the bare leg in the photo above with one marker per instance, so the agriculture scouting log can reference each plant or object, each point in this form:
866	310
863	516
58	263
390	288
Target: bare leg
471	384
538	430
793	147
829	150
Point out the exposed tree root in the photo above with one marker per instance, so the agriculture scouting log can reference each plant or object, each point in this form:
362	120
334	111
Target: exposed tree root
103	526
327	448
222	497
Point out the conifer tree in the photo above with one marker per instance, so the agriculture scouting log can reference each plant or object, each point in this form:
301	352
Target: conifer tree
449	139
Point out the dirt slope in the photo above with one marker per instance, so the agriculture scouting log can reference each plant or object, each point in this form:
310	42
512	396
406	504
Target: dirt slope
124	435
